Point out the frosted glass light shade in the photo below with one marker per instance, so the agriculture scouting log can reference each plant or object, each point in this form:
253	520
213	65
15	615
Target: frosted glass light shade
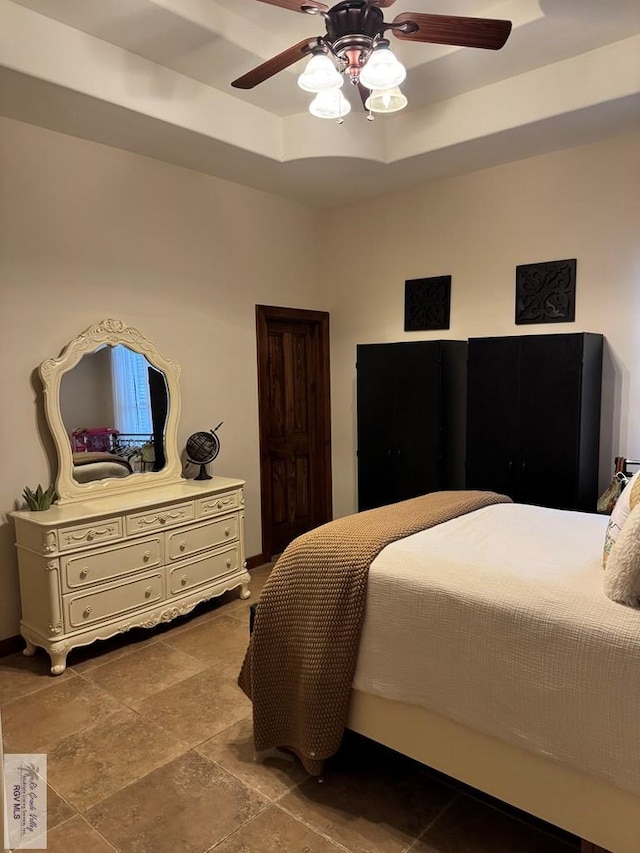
329	104
382	70
386	101
320	75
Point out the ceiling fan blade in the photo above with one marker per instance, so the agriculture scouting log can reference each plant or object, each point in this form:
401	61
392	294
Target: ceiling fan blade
296	5
488	33
273	65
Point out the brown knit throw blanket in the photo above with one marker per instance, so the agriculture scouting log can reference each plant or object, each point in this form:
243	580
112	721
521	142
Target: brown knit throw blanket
302	655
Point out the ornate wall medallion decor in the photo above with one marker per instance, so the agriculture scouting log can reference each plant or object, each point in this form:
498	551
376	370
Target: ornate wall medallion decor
546	292
427	303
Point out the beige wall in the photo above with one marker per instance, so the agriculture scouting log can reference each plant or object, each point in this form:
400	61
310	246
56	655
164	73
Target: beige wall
88	232
582	203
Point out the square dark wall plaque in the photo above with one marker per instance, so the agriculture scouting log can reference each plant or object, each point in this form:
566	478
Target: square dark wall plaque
546	293
427	303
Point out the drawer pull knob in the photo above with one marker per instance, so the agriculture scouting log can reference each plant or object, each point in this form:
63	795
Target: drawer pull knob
229	563
227	531
183	580
219	505
91	536
183	545
146	556
163	519
147	592
84	573
86	612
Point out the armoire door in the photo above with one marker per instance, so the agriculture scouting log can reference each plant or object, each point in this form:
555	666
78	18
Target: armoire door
533	418
492	414
550	379
405	401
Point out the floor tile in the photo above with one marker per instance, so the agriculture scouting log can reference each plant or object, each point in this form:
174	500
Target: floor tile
369	806
20	675
199	707
225	637
57	809
93	764
36	721
76	836
148	670
85	658
470	826
233	750
186	806
273	831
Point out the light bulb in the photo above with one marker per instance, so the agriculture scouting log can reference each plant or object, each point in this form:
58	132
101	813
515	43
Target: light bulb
382	69
386	101
320	75
330	103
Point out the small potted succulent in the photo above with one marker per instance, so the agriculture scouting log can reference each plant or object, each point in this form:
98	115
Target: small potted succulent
41	499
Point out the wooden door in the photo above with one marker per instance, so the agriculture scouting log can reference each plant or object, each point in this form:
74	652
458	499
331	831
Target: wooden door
295	423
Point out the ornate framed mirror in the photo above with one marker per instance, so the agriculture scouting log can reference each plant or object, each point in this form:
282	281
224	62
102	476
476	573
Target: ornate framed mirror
112	403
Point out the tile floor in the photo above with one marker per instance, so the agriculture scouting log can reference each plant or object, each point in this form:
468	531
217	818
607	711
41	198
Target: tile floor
149	751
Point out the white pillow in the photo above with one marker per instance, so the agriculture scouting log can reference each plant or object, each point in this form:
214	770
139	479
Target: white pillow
626	502
622	578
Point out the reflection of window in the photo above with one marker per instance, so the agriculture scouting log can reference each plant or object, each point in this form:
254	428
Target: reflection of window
131	398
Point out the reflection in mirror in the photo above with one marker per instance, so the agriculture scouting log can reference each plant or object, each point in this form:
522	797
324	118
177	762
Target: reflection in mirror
114	406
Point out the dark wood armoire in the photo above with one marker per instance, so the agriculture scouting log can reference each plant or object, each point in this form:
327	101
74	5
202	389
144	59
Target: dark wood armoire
533	418
411	401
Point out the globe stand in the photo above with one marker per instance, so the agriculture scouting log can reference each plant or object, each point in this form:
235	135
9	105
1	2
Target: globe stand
202	448
203	473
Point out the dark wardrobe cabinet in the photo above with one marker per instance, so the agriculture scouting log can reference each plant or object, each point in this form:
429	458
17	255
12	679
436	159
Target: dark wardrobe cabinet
533	418
411	400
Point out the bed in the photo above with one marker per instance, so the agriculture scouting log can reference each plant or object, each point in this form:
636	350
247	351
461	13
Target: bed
487	650
97	465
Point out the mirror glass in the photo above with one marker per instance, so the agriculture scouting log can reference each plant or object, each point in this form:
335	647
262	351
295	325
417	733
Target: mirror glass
112	401
114	405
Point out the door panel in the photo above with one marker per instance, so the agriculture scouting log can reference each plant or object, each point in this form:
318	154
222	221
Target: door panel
293	384
399	421
550	419
492	414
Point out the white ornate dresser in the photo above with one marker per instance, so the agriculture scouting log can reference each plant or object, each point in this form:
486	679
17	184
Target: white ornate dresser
91	570
116	552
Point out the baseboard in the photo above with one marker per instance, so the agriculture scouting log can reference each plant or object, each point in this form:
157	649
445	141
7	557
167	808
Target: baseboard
11	645
255	561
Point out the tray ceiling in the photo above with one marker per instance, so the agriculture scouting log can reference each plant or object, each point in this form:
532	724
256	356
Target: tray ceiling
153	76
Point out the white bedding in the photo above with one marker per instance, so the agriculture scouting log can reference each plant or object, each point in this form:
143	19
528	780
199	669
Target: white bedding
498	620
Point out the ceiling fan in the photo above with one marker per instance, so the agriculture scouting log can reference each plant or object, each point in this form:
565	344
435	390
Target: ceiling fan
355	42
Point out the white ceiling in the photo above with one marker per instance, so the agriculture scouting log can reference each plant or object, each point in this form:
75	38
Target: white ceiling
153	76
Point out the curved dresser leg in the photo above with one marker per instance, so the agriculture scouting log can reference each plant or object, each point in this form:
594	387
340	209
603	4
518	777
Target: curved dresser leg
29	650
58	658
245	592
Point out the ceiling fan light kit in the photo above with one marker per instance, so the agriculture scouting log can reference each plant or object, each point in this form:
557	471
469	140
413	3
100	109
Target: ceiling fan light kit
386	101
355	40
320	74
382	70
330	103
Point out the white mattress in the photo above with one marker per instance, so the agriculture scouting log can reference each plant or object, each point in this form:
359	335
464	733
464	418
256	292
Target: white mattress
498	620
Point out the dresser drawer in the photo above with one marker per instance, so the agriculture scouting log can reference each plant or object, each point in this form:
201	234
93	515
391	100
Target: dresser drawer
216	504
183	542
84	609
203	570
107	530
157	519
87	568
